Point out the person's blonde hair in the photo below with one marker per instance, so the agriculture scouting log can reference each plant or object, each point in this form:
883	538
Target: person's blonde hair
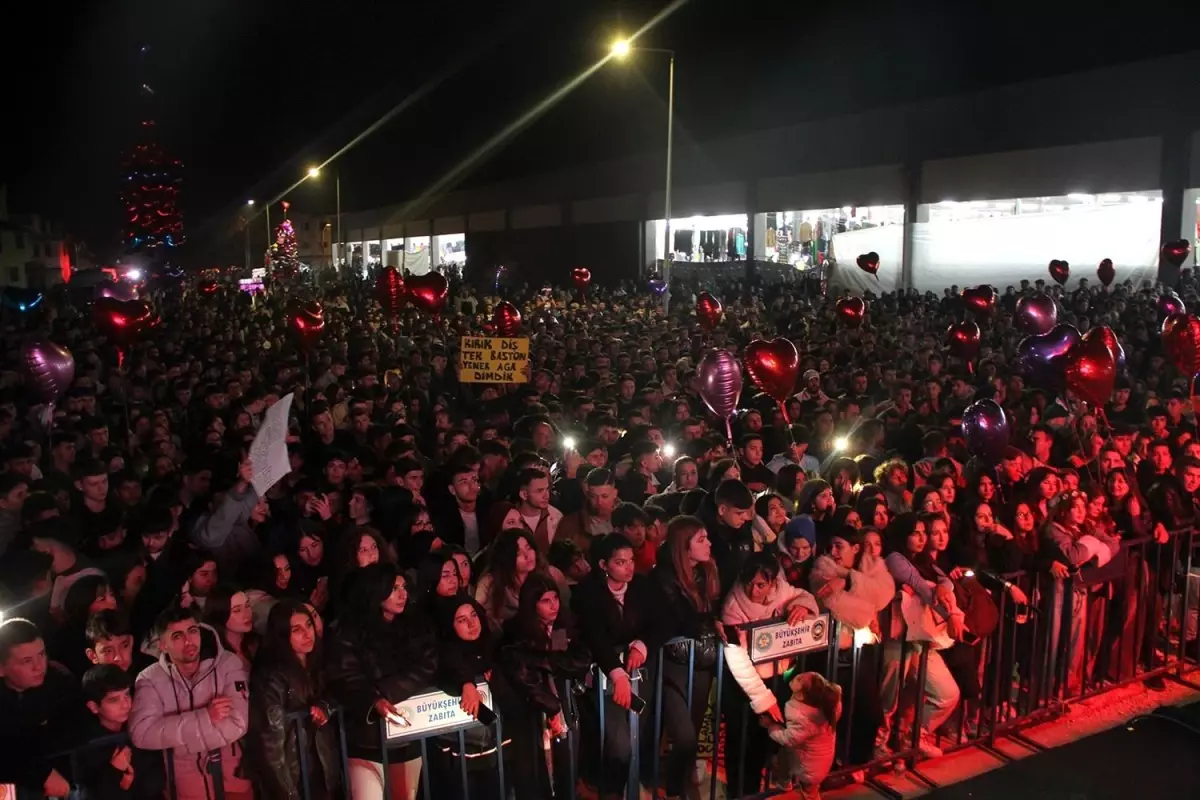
701	584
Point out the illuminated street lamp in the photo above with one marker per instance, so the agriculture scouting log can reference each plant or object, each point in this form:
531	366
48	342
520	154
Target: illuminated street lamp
620	49
315	172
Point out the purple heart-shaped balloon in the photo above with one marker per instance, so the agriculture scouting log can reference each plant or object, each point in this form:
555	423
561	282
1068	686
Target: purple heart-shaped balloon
1042	358
1036	314
49	367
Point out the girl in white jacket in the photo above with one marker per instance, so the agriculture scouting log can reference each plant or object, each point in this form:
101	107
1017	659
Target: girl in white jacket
809	736
760	594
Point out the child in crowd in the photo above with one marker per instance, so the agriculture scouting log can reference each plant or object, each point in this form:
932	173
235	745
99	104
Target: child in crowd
113	772
809	735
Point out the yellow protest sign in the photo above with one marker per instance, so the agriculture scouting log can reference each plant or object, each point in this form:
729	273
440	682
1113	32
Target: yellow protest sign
493	359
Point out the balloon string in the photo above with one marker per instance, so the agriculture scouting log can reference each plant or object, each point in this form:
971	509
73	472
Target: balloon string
728	432
786	419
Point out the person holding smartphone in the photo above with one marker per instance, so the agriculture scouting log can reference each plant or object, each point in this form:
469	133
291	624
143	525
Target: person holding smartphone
616	611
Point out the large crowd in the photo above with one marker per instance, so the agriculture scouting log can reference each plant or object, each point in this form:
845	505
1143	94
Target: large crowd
434	535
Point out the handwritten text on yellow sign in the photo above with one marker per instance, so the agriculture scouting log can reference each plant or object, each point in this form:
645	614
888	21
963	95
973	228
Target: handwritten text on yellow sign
492	359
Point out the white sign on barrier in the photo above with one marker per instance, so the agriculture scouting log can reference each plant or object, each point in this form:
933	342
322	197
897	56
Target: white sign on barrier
779	639
433	712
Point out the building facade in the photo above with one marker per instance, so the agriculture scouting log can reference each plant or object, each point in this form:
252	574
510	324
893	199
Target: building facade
965	189
34	253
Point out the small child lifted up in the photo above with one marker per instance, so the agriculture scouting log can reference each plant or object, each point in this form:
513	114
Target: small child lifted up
809	736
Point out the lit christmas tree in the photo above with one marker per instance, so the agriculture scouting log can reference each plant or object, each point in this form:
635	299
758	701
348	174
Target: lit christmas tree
284	255
150	190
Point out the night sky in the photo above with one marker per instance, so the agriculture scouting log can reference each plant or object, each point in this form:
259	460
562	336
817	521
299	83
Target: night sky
251	91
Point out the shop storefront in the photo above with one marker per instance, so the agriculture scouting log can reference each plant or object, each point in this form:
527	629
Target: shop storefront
710	239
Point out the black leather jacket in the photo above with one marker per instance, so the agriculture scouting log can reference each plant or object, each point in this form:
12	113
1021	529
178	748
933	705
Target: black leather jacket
531	668
395	661
272	747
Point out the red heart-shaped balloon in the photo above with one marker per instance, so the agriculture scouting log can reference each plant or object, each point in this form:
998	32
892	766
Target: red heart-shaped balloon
980	300
506	319
773	366
1176	252
389	290
708	311
869	262
428	292
1060	271
1181	341
1105	272
851	311
962	338
1091	370
122	320
582	277
307	320
1106	335
207	286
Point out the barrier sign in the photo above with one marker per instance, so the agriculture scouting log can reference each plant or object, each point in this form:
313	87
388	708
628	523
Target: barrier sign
493	359
779	639
433	712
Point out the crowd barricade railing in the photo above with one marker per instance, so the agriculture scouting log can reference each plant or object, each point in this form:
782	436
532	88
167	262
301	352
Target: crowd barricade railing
1078	637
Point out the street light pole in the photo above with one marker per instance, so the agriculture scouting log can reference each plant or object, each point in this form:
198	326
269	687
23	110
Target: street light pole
668	250
620	49
341	245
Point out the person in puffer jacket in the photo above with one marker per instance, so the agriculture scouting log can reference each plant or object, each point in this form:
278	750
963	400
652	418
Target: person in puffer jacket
854	586
808	738
195	703
761	594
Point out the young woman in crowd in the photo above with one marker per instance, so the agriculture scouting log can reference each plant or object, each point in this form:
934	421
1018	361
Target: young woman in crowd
761	593
380	651
88	595
617	615
928	619
512	558
854	586
289	678
537	653
689	593
229	613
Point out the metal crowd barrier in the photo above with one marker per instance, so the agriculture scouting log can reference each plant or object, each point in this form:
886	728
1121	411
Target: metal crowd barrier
1030	670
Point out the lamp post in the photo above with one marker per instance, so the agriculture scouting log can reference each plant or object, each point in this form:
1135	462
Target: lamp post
315	172
620	49
246	231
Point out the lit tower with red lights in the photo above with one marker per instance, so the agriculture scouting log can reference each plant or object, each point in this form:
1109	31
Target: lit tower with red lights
150	188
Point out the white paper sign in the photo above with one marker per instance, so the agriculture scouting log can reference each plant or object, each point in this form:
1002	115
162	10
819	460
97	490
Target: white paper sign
779	639
268	452
434	712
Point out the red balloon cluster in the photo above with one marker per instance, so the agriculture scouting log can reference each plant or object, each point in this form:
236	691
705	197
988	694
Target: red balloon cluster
1087	365
207	287
851	311
708	311
307	321
389	291
773	366
506	319
1181	341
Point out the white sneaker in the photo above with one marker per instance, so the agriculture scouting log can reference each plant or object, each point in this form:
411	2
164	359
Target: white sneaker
927	746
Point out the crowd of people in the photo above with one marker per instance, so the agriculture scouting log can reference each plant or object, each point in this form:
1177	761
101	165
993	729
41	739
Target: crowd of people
435	535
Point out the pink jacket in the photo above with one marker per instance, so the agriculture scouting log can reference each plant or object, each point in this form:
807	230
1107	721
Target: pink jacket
170	713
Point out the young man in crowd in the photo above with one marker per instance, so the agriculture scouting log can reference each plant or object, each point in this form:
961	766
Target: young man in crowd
193	701
37	701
